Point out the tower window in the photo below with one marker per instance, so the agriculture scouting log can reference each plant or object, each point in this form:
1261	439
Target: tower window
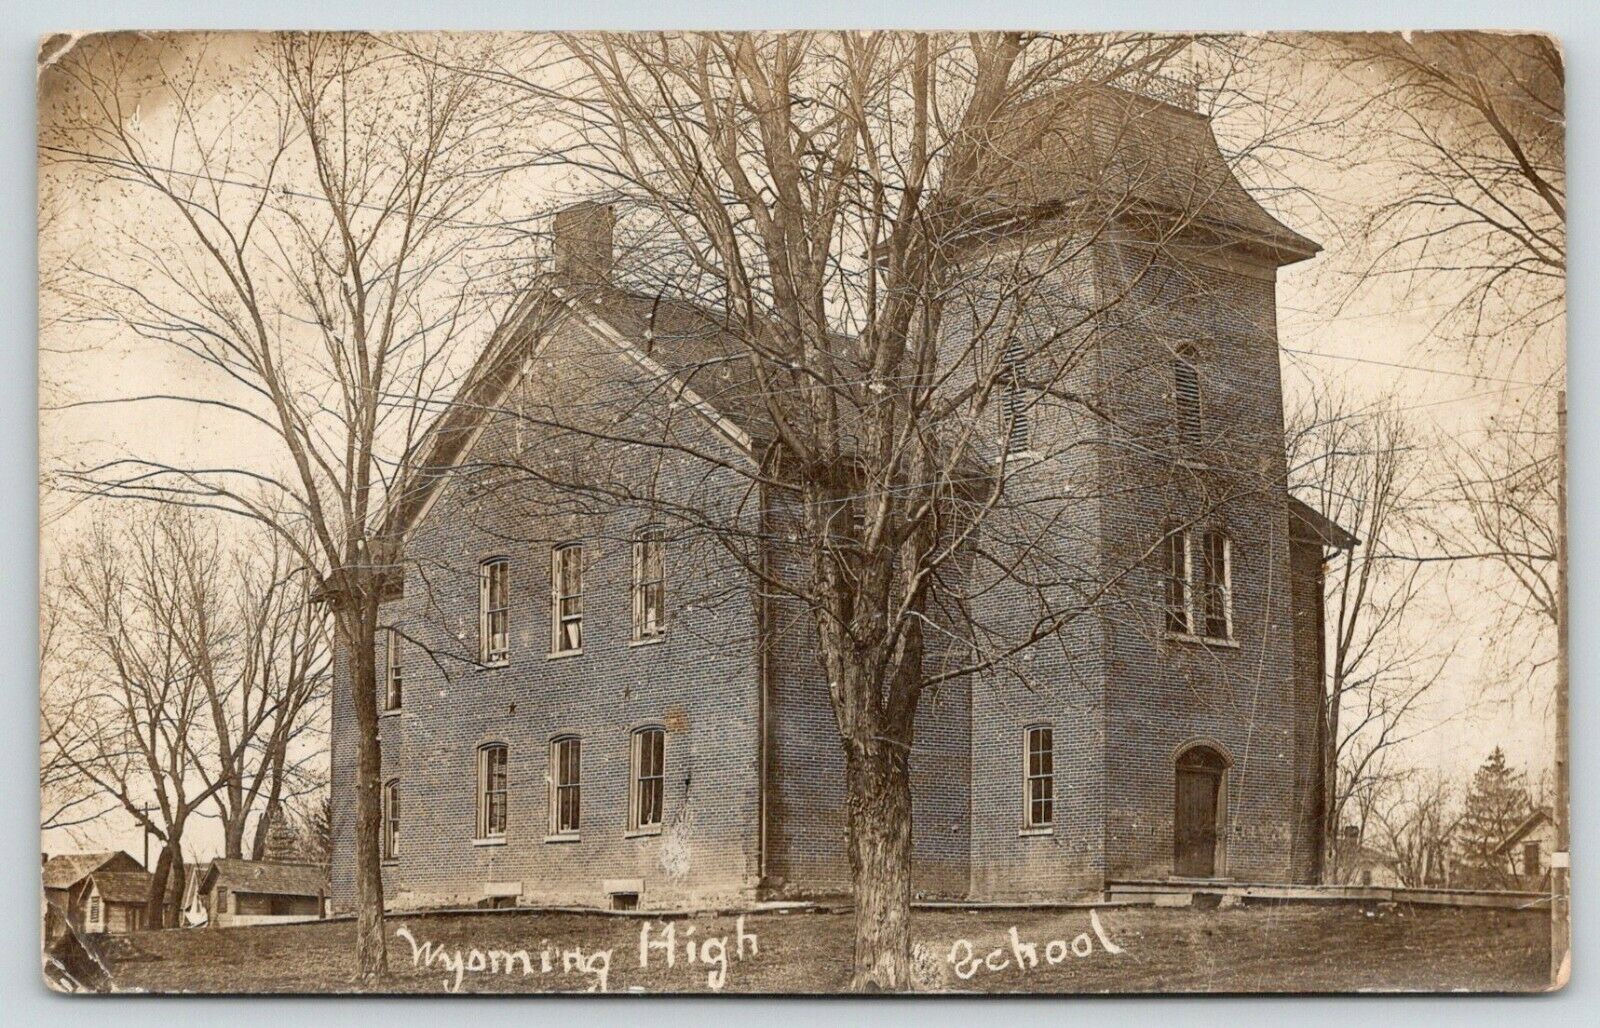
1186	396
1016	417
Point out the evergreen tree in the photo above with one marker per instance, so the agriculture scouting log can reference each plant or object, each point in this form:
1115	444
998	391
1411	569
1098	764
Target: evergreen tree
1496	804
314	831
283	843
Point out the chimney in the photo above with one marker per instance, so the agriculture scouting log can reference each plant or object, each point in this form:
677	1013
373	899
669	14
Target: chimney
583	242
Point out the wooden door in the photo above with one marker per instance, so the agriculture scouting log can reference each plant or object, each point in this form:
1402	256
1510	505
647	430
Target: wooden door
1195	827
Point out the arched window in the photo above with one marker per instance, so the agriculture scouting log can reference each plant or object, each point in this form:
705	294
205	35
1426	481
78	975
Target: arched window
1186	396
1216	586
494	611
649	583
391	819
648	782
394	676
1038	777
1198	583
492	791
1179	610
566	598
566	797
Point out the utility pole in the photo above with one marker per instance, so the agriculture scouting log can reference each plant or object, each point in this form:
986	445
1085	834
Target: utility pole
1561	859
145	824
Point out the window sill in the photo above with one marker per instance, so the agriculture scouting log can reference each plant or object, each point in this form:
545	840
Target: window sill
1203	640
390	862
394	712
490	665
563	837
1022	458
493	840
559	654
642	833
651	640
1040	830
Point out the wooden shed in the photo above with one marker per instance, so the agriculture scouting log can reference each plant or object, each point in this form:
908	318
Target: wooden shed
249	892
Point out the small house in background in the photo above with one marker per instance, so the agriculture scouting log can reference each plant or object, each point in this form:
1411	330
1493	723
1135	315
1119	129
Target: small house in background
192	911
250	892
112	902
1358	864
1526	851
64	876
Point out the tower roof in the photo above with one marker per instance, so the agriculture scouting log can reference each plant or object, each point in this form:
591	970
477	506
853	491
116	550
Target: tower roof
1128	155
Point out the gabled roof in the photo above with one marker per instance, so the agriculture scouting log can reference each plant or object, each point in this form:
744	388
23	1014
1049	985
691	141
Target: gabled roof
122	886
1311	525
1523	830
275	878
64	870
695	345
684	345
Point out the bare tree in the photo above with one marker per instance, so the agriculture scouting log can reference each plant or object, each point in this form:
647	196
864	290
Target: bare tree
1359	464
263	684
1415	823
304	242
1468	128
138	735
67	800
1502	490
830	197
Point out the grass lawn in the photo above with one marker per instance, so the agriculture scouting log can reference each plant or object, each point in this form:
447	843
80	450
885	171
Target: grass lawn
1257	948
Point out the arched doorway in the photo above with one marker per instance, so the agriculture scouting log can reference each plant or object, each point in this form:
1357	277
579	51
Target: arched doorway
1198	814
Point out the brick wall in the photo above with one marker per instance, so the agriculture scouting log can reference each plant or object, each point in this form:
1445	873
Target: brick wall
700	684
806	828
1122	698
1306	563
1163	694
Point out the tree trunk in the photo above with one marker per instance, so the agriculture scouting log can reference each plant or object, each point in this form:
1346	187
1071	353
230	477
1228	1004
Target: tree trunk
233	836
174	894
1330	784
878	810
155	902
358	627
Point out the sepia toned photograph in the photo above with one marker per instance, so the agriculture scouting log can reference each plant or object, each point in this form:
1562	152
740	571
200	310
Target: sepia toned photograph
802	512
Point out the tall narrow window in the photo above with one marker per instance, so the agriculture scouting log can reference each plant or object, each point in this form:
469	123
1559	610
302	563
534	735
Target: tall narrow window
1039	785
393	678
1216	586
1016	426
494	611
566	599
96	912
649	779
1177	583
1186	396
565	785
649	584
492	791
1530	858
391	819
